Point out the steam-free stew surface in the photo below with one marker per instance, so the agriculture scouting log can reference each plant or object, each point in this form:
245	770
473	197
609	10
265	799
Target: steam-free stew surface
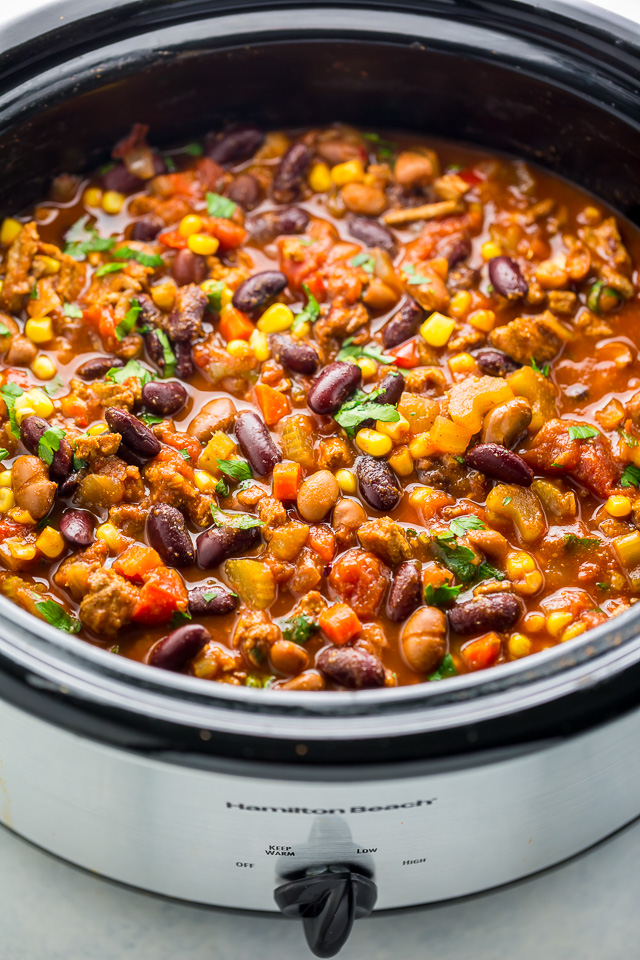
319	410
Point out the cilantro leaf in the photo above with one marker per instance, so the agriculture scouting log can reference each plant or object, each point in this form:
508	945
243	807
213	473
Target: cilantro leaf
487	571
506	501
630	476
458	559
168	355
582	432
33	293
364	260
414	278
218	206
71	310
254	680
545	369
3	453
150	419
572	542
222	488
214	294
4	330
462	525
133	368
106	268
54	614
129	320
441	596
49	444
179	618
184	453
628	439
240	521
10	392
350	350
362	406
298	629
146	259
595	292
193	149
170	164
446	669
81	240
308	314
235	469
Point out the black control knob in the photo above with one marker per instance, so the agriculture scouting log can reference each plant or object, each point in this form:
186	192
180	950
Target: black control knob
327	902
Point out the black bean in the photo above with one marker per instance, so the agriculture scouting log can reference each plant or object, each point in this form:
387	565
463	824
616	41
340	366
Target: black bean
174	651
32	429
164	397
275	223
245	191
184	360
96	368
495	611
188	267
119	179
506	278
214	600
147	227
494	363
333	385
378	484
351	667
67	487
496	461
405	594
167	533
372	234
256	443
290	173
76	526
236	144
297	356
216	544
392	387
135	435
403	326
259	290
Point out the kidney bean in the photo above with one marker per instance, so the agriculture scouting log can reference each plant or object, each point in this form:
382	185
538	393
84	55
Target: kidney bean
424	639
372	234
218	543
245	191
495	611
167	533
67	487
403	326
236	144
174	651
333	386
455	249
96	368
184	323
494	363
275	223
256	443
290	172
392	387
378	484
297	356
188	267
351	667
506	278
216	415
164	397
135	434
501	464
220	601
147	227
76	526
32	429
118	178
259	290
405	594
184	360
154	349
318	494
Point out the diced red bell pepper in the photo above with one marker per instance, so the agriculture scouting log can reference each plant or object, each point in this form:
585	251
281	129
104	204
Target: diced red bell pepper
173	239
162	595
229	234
471	176
483	652
406	355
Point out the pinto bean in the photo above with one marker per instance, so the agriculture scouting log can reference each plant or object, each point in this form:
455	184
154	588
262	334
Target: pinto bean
31	486
276	223
174	651
501	464
164	397
184	322
494	611
424	639
146	228
218	543
97	367
22	352
297	356
403	326
216	415
290	173
135	434
494	363
318	494
245	191
256	443
288	657
188	267
310	680
405	594
32	429
348	514
507	279
506	422
364	198
215	601
76	526
351	667
258	290
167	533
235	144
378	484
333	385
413	169
372	234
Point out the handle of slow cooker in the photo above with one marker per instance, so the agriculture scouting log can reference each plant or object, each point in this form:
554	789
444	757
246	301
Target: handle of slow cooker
327	903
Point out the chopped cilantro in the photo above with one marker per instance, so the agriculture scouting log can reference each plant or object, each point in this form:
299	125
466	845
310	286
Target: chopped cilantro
168	355
54	614
79	464
364	260
362	406
414	278
82	240
298	629
193	149
33	293
630	476
170	164
209	596
214	294
582	432
446	669
4	330
572	542
53	386
70	310
442	595
49	444
253	680
456	456
179	618
604	586
349	350
542	370
462	525
628	439
150	419
506	501
235	469
106	268
308	314
184	453
458	559
486	571
10	392
218	206
146	259
3	453
133	368
128	322
240	521
598	288
222	488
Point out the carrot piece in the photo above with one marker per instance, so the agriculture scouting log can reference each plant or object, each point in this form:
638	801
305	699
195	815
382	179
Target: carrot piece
406	355
483	652
323	541
235	325
228	233
340	623
286	480
274	405
173	239
136	561
162	595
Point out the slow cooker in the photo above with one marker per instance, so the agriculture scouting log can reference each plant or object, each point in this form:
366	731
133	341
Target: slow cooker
323	806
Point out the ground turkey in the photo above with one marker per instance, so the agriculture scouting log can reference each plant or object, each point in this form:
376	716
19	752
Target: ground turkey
386	538
359	579
109	604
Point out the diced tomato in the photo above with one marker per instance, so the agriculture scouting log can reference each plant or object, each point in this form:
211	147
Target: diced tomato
169	184
229	234
322	540
75	409
274	405
483	652
136	562
10	528
340	623
18	377
173	239
235	325
471	176
176	460
162	595
406	355
286	480
300	265
180	442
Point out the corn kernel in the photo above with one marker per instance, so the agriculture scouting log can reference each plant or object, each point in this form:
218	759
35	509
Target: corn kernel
49	264
9	230
5	478
320	178
21	551
462	363
276	318
368	366
164	295
484	320
39	329
346	481
373	443
110	535
43	367
421	446
7	499
397	431
557	621
113	201
50	543
529	584
192	223
33	401
460	303
303	330
351	171
203	244
437	329
401	461
573	631
239	348
220	447
628	549
518	563
260	345
20	515
519	645
204	481
534	622
618	506
97	429
226	297
92	197
490	250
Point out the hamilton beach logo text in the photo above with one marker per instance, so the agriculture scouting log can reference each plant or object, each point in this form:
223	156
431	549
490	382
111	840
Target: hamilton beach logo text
321	811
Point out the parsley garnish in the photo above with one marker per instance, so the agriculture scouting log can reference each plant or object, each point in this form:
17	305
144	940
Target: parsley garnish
54	614
49	444
414	278
350	350
33	293
10	392
572	542
462	525
506	501
193	149
146	259
446	669
180	617
628	439
364	260
298	629
222	488
53	386
235	469
486	571
441	596
70	310
598	288
184	453
582	432
168	355
241	521
218	206
128	322
214	294
82	240
133	368
209	596
459	560
604	586
362	406
3	453
106	268
544	370
308	314
630	476
150	419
